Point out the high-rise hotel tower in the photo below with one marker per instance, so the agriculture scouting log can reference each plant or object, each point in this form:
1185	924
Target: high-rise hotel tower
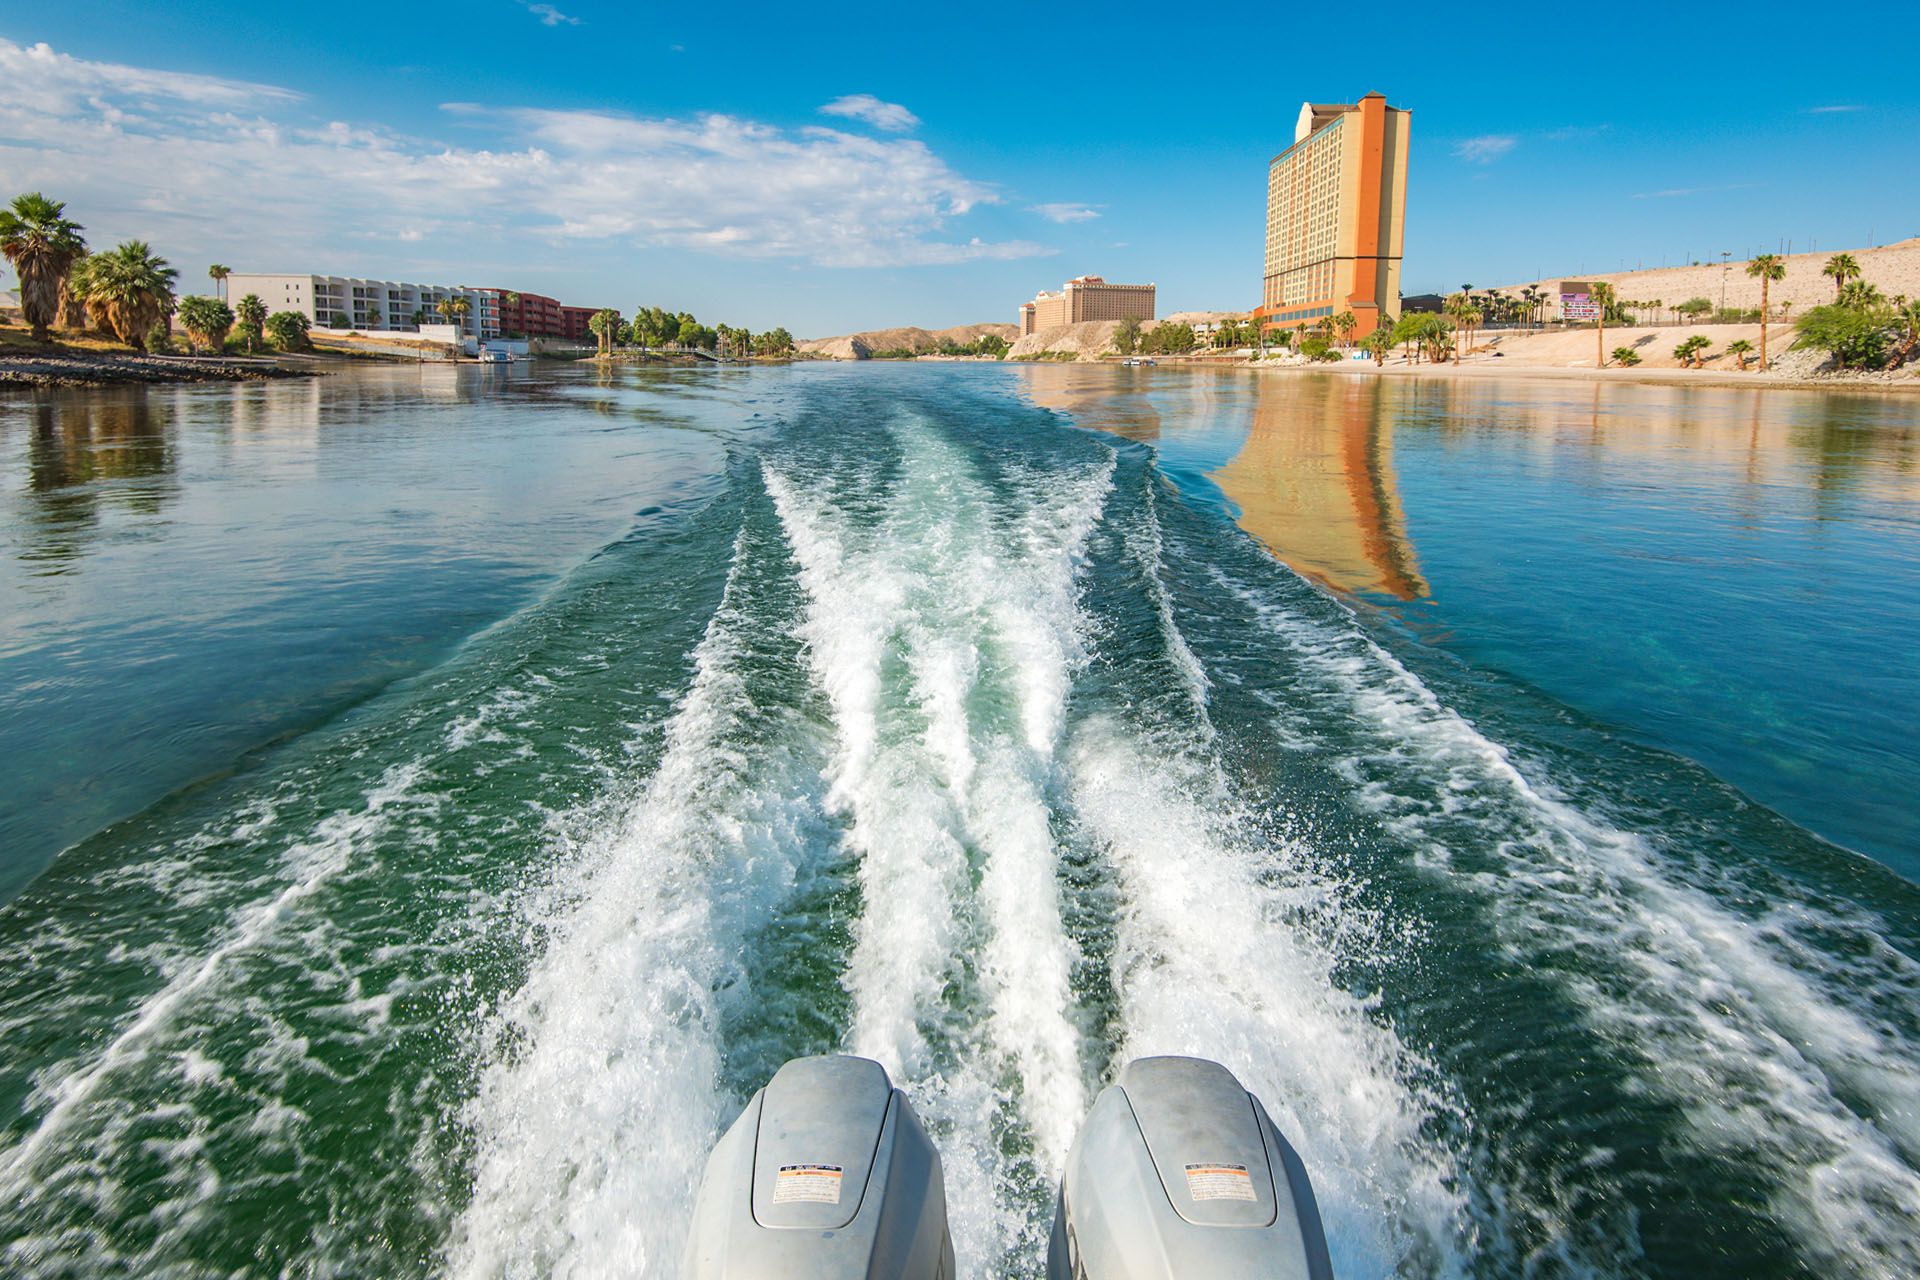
1336	214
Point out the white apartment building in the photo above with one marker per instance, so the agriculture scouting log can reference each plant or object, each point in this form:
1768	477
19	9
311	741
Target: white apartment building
369	306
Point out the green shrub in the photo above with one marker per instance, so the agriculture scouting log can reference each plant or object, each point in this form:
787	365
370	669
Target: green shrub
1317	346
1856	337
1626	357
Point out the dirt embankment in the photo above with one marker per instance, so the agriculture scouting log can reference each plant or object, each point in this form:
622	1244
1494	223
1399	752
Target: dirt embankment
1894	268
55	368
864	345
1570	354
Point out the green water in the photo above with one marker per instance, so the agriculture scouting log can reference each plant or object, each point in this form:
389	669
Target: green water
436	800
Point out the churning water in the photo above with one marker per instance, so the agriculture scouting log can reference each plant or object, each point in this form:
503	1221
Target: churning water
913	718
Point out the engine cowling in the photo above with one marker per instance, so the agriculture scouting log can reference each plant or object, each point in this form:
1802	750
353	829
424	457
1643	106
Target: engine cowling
1179	1171
828	1175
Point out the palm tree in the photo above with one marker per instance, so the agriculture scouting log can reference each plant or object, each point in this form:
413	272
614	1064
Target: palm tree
1766	268
42	246
1689	352
1861	295
132	289
1842	268
218	274
1602	299
454	310
207	321
1456	306
252	314
73	295
602	324
1346	322
1536	307
1909	318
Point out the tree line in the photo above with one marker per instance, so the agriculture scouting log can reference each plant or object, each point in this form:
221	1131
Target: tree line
657	327
128	294
125	293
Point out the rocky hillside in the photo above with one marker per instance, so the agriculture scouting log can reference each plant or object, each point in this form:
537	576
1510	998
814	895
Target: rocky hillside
1088	340
862	346
1092	339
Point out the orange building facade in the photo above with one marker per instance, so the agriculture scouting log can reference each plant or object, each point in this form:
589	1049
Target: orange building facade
1336	216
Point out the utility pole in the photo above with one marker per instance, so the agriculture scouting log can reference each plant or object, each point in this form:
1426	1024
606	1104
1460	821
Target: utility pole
1725	271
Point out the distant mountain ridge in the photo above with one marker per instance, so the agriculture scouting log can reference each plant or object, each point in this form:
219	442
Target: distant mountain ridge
862	346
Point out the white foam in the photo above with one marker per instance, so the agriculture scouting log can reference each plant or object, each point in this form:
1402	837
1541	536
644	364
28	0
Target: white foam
974	606
601	1095
1739	1026
311	864
1144	540
1214	959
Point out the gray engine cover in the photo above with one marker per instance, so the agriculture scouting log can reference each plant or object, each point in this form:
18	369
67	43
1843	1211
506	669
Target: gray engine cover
826	1175
1178	1171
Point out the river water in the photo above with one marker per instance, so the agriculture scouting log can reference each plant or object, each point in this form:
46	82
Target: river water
435	799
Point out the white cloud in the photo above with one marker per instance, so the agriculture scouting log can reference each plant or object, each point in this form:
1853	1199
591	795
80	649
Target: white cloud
230	169
550	16
890	116
1485	149
1063	211
59	84
1833	110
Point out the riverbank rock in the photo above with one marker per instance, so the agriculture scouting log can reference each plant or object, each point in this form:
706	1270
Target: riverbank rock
55	368
868	343
1088	340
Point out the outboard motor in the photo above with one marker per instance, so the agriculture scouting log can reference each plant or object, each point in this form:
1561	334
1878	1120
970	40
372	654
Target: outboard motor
1178	1171
826	1175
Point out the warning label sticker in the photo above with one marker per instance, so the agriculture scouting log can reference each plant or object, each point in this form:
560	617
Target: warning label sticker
815	1183
1219	1182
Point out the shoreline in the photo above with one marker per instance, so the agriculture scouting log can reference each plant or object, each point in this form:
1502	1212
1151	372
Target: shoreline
1907	384
54	368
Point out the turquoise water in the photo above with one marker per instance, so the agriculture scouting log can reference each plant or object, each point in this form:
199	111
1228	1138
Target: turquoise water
437	799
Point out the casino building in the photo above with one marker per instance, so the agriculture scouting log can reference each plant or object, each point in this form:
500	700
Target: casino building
1086	298
1336	215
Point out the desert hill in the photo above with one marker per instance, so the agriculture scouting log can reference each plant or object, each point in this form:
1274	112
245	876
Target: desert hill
1895	268
862	346
1093	339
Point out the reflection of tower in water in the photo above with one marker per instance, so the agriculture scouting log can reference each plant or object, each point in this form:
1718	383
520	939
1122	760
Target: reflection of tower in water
1314	481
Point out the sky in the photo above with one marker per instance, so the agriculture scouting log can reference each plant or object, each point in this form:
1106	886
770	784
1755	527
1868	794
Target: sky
832	168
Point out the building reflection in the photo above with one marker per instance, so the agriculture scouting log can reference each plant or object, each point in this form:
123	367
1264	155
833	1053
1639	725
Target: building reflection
1100	396
86	455
1314	482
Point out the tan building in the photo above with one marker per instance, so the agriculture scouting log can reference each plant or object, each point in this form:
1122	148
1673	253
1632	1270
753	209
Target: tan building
1086	298
1336	215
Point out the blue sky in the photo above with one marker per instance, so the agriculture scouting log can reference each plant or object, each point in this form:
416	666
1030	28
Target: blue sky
838	167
